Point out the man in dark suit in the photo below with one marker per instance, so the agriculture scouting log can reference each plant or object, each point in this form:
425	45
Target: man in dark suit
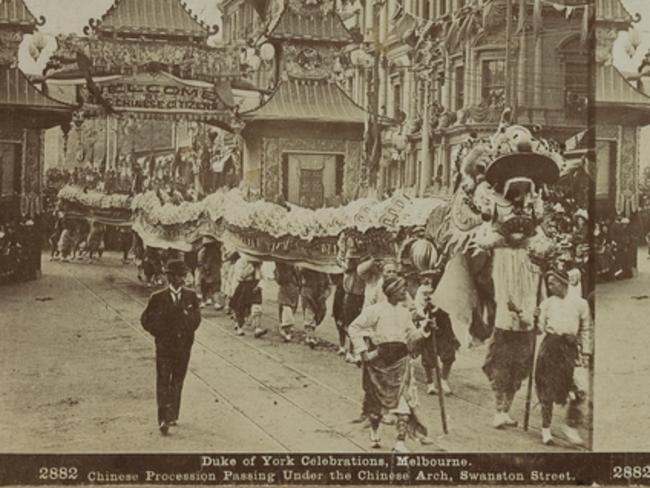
172	315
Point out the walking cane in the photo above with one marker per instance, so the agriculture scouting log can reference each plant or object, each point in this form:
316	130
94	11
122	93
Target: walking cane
529	391
441	394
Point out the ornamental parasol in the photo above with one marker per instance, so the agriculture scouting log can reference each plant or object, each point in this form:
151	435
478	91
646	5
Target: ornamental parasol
538	167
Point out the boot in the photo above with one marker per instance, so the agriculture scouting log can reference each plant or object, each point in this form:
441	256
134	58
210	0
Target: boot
500	420
285	332
400	447
547	437
572	435
375	441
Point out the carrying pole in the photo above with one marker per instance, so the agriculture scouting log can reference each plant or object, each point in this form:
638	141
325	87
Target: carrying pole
434	345
529	390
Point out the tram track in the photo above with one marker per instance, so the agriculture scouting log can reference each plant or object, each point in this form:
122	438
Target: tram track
122	280
419	372
325	426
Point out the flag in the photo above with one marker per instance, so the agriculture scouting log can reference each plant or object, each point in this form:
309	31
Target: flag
422	33
584	34
452	34
537	18
399	11
574	141
568	12
404	25
521	24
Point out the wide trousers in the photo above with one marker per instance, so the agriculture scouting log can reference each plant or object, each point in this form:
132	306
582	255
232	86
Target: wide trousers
171	368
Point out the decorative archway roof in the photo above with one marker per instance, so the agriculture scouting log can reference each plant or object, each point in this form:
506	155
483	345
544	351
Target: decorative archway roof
310	22
153	17
15	13
308	101
613	11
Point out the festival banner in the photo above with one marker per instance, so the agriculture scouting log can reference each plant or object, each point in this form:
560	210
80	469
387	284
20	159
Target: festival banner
162	93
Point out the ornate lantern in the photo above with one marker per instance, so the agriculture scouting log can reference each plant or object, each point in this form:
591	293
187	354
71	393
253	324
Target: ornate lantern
267	52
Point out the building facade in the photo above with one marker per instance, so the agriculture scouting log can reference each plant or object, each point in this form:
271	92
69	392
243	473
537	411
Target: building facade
303	143
172	86
449	68
25	113
622	110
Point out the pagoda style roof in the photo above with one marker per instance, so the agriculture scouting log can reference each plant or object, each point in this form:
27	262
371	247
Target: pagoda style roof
619	100
17	92
308	24
16	13
308	101
159	17
613	11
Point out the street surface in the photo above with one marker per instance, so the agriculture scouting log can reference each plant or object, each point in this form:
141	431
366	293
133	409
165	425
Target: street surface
78	375
621	384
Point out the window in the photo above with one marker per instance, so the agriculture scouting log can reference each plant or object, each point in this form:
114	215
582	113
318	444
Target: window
606	157
425	9
494	82
8	169
459	82
420	99
397	99
576	88
311	180
442	7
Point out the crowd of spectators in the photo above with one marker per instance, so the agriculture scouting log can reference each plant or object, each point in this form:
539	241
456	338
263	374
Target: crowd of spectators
177	177
19	244
615	247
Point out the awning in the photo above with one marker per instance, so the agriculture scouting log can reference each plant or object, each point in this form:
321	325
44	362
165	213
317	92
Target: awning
617	101
18	94
309	101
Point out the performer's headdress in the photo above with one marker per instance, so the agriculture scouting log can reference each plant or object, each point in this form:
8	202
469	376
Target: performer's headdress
559	274
392	285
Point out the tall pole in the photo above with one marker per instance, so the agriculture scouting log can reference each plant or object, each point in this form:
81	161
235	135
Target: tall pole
425	154
508	84
521	63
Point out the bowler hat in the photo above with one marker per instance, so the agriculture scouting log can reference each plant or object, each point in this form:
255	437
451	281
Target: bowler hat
176	267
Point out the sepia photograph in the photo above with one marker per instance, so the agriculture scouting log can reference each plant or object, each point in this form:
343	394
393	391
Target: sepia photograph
327	241
621	227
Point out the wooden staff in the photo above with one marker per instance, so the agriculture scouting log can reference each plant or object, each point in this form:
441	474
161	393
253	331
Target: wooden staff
529	391
434	346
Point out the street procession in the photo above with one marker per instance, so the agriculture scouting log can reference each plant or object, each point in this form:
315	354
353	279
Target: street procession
298	225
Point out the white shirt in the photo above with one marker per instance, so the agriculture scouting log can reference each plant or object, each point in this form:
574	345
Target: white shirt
575	291
384	323
420	299
567	315
373	293
176	294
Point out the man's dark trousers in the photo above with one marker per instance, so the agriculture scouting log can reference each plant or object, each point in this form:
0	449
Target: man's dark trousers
171	366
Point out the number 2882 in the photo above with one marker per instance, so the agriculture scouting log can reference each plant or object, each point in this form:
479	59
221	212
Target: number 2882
58	473
631	472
